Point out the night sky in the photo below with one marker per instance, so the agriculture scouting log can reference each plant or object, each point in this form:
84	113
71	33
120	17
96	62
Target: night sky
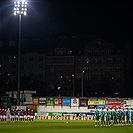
110	20
53	18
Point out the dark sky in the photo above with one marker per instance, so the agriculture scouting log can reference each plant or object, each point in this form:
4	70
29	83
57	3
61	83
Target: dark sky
51	18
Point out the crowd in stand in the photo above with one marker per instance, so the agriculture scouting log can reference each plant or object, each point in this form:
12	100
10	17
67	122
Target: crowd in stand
16	115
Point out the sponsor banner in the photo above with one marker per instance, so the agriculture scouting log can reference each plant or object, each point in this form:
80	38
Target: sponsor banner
42	100
92	106
102	102
83	114
49	101
35	101
37	114
114	103
41	114
45	114
128	104
18	107
74	102
100	106
50	114
108	102
68	114
96	106
66	101
58	101
83	102
113	106
57	114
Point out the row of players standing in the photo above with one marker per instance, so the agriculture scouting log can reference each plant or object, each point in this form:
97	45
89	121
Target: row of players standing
111	117
16	115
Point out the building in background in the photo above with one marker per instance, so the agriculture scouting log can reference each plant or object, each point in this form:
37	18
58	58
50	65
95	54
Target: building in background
32	71
101	70
25	96
106	71
59	71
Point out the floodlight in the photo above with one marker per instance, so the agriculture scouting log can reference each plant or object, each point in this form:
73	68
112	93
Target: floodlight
15	13
25	13
18	12
20	7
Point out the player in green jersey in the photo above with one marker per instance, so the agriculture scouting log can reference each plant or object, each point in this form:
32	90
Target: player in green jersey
102	116
110	116
132	116
96	117
115	116
107	117
119	116
123	116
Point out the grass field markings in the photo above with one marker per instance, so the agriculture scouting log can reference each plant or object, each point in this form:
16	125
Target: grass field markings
58	125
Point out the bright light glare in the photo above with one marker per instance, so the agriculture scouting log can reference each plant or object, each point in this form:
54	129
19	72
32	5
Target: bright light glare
25	13
15	13
20	8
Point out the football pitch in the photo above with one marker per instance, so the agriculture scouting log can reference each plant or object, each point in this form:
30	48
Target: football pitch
61	126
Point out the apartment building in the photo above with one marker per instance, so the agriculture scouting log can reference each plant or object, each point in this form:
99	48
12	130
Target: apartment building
100	71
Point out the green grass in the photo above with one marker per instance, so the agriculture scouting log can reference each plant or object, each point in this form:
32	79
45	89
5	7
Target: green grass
58	126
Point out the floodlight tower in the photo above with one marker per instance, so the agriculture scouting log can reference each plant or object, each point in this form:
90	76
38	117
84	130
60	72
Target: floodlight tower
82	84
20	8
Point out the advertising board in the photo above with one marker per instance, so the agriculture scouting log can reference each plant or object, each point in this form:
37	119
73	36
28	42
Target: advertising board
49	101
74	102
102	102
42	100
83	102
58	101
35	101
114	103
66	101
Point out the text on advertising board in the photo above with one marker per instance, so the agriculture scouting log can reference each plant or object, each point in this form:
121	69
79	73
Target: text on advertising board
96	102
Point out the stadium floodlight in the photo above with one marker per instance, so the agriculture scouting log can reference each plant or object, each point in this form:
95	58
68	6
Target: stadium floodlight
73	83
20	8
82	84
